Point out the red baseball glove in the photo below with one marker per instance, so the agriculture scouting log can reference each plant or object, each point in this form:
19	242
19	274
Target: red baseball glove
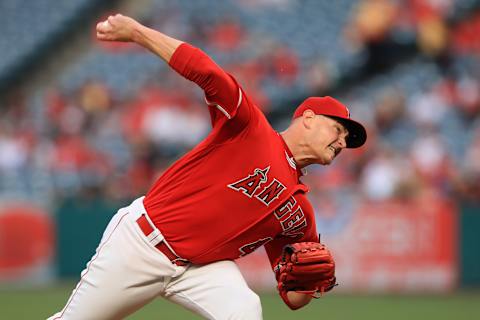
305	267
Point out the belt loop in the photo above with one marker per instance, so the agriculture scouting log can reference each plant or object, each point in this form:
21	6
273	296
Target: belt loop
155	237
150	222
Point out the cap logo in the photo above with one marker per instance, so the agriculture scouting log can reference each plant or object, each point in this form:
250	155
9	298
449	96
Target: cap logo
348	112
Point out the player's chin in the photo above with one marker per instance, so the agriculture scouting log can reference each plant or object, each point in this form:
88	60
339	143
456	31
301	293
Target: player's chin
325	161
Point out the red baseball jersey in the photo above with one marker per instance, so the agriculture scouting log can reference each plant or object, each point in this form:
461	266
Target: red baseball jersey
239	188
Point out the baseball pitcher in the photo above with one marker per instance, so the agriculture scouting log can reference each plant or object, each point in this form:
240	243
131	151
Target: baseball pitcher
237	190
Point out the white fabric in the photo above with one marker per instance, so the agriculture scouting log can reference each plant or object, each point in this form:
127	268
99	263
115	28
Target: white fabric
127	272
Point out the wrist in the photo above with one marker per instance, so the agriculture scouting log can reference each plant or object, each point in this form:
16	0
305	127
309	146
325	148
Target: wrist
295	300
137	34
298	299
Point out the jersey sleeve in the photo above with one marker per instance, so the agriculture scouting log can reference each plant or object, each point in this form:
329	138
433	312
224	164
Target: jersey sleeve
274	248
222	92
309	233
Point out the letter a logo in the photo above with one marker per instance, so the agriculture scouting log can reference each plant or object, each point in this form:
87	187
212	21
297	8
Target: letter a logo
250	184
271	192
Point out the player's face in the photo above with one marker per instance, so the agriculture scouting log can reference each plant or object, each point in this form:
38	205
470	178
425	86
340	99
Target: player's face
327	139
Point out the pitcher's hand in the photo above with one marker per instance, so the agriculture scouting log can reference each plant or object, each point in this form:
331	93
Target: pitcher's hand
117	28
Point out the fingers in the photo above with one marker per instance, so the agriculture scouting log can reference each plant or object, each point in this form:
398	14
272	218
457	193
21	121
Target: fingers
104	27
115	17
102	36
101	31
108	23
115	28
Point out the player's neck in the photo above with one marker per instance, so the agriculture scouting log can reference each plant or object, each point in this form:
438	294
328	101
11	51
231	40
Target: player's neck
294	143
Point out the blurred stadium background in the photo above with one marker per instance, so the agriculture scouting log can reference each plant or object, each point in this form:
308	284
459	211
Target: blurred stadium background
85	127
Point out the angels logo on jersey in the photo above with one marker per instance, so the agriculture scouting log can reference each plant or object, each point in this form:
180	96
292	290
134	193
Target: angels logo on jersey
250	185
291	218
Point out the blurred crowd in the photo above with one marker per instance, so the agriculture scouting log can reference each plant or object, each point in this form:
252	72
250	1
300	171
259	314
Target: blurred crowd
440	122
91	139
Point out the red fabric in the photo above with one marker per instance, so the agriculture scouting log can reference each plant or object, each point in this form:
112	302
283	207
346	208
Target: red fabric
26	239
220	88
465	35
226	36
218	201
423	10
147	230
74	153
286	65
307	234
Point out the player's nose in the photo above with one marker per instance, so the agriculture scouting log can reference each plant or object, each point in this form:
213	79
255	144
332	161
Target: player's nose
342	142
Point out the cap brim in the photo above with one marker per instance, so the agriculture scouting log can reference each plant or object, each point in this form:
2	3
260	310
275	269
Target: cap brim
357	135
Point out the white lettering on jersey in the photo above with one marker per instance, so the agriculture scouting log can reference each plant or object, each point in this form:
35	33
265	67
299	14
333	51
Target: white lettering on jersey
291	218
250	186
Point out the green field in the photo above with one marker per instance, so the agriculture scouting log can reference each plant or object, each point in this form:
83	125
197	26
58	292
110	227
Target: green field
40	303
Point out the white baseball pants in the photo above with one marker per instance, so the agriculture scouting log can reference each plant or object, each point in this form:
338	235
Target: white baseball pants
127	272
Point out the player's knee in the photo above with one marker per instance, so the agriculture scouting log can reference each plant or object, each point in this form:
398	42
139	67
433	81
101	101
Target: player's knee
247	306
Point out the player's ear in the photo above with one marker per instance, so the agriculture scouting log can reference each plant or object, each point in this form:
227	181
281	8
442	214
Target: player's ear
308	117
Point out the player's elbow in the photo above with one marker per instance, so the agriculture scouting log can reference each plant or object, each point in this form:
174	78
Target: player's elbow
212	79
209	69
